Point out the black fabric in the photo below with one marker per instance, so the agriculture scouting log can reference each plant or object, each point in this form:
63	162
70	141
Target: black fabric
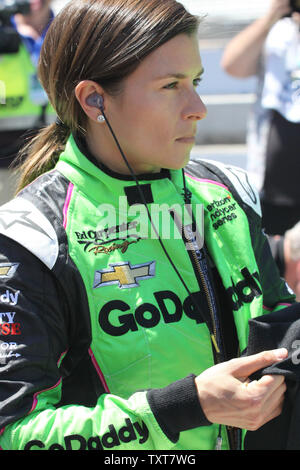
11	143
277	219
177	407
70	287
227	325
280	193
134	197
277	249
83	379
37	297
281	183
271	331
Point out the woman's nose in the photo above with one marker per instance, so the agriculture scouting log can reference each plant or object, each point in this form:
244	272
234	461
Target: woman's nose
196	109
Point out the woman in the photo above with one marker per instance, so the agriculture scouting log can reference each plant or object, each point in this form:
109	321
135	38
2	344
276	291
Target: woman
101	353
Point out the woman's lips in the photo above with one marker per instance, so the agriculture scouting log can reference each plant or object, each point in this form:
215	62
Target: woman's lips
186	140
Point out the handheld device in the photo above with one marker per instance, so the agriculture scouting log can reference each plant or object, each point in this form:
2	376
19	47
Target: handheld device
9	38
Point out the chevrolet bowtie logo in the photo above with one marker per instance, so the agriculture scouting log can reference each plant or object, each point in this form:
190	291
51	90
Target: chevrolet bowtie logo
124	274
8	269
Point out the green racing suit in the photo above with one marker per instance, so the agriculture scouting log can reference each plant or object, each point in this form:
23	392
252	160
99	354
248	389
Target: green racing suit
106	318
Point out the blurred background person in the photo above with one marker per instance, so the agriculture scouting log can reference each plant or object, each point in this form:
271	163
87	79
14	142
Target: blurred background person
270	49
24	105
286	252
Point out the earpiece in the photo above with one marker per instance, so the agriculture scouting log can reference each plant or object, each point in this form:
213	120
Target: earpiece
96	100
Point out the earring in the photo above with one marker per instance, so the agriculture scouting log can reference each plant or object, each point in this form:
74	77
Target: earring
100	118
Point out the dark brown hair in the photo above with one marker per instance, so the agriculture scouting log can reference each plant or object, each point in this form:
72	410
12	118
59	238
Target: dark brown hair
99	40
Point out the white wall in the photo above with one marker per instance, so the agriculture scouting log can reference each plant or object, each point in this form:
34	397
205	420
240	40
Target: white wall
232	10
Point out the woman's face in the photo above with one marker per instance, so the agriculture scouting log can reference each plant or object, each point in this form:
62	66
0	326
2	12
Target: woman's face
155	117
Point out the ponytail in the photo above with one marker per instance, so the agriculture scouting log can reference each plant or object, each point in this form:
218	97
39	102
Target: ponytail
41	153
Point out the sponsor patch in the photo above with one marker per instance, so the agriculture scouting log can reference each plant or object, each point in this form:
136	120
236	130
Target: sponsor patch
8	327
222	211
117	317
10	218
8	350
245	290
21	221
124	274
114	437
8	269
108	240
9	297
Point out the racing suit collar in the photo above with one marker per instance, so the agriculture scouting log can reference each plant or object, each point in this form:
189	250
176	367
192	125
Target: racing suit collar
84	171
81	144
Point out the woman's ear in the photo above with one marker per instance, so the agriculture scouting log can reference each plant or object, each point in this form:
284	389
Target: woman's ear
90	97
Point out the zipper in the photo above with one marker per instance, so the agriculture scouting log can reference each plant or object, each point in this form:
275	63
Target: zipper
233	433
219	440
202	269
200	265
214	333
196	255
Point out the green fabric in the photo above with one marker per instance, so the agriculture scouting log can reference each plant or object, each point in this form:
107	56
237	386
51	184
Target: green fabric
147	336
79	428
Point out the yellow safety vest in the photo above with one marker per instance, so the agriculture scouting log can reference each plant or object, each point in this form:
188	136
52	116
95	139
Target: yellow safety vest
21	96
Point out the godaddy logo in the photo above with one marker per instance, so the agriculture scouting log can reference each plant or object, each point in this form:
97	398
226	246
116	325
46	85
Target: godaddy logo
114	437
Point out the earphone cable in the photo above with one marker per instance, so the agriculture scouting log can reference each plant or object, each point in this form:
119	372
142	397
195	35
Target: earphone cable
149	215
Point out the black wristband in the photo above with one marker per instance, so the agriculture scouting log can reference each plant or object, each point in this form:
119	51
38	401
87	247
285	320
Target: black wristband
177	407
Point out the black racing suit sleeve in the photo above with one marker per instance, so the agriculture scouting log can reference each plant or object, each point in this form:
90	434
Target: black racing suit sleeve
275	289
277	250
33	330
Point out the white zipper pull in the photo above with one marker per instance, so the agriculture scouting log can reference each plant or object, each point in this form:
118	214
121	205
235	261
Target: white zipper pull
219	443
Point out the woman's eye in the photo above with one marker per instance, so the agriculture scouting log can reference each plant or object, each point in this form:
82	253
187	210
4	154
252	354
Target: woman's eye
174	85
170	86
197	81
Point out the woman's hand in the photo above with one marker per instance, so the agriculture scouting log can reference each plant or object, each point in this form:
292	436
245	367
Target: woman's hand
242	54
278	9
296	17
228	397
